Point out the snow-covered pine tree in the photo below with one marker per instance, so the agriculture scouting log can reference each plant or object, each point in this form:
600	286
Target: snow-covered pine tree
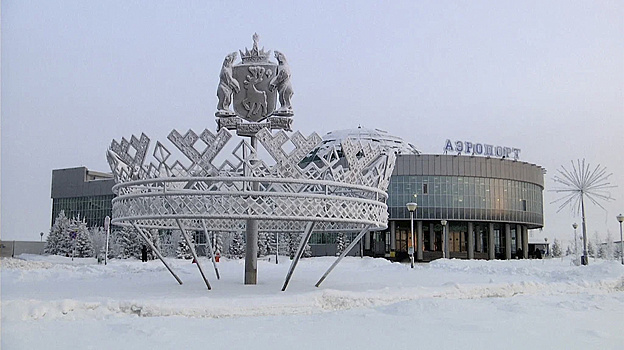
568	251
97	235
341	243
591	251
83	246
307	251
292	241
237	246
155	239
57	242
129	243
263	244
556	248
184	251
272	243
609	247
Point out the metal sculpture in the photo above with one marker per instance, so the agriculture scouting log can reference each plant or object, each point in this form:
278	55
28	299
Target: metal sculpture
579	183
222	184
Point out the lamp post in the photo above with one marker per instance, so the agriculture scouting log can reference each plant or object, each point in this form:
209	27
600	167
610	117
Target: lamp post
412	207
444	245
107	228
574	225
41	234
620	218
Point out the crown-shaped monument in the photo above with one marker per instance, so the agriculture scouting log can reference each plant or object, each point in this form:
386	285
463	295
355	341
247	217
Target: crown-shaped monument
255	55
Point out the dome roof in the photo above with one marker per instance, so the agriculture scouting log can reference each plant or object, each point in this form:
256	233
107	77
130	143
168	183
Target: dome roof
372	135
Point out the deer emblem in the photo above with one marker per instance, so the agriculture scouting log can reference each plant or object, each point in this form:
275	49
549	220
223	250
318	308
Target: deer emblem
255	101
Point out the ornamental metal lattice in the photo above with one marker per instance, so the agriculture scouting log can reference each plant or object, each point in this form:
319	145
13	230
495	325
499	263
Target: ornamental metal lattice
341	188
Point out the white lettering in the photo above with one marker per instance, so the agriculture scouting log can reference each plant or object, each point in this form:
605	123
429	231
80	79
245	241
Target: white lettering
469	147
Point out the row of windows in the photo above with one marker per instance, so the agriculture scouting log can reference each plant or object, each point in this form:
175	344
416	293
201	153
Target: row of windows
470	198
92	209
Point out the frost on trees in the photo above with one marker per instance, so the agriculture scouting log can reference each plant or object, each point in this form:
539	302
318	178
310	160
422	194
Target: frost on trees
60	241
129	243
556	248
57	242
292	241
184	251
341	243
97	235
82	246
264	243
237	246
590	249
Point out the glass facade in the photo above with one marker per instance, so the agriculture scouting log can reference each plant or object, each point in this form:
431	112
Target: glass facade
93	209
466	198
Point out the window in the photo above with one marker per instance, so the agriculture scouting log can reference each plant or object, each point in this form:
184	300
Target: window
425	189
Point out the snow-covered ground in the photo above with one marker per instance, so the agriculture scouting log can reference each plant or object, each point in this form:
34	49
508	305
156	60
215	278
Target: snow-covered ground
51	302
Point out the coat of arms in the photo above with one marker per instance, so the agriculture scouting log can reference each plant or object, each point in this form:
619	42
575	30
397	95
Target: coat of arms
252	87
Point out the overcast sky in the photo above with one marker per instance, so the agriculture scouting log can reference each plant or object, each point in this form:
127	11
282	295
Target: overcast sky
546	77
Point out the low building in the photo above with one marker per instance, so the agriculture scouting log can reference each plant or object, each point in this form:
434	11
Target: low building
83	193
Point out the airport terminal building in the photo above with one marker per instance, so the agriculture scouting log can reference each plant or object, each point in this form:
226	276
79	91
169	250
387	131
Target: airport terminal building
482	204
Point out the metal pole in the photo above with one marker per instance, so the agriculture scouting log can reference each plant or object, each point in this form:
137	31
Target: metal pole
344	253
276	247
212	256
412	233
585	260
107	228
251	239
307	233
192	248
162	259
620	219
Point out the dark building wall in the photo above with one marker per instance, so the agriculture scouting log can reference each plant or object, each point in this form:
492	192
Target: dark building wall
84	193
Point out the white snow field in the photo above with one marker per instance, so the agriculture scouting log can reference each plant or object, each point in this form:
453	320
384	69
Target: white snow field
51	302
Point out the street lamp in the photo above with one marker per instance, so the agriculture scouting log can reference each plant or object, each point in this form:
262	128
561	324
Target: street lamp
411	207
444	245
574	225
620	218
41	234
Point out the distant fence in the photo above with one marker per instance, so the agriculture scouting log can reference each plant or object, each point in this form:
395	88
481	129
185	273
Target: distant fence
15	248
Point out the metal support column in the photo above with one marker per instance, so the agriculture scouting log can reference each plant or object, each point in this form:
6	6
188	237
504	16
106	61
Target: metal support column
307	233
251	237
345	252
153	248
419	240
210	249
507	241
491	246
470	240
519	241
392	236
445	238
525	242
193	252
431	237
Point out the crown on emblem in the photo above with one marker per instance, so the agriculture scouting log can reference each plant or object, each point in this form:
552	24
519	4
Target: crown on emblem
255	55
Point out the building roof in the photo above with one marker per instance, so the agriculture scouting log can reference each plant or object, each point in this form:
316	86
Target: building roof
373	135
